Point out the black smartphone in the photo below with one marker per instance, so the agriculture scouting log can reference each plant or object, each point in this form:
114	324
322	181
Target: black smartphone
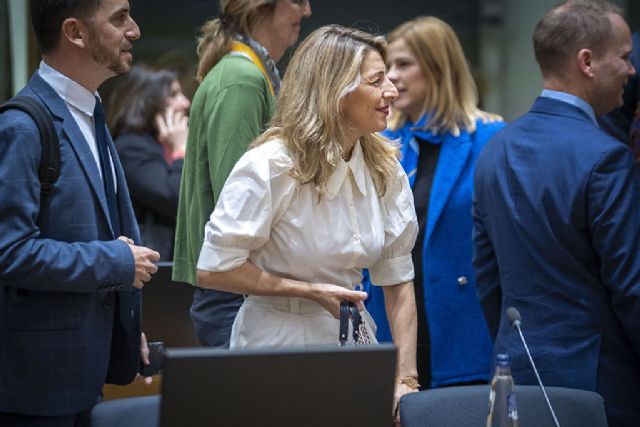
156	359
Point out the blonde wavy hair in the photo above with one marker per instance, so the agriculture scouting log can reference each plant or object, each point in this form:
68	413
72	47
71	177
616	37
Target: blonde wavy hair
452	96
235	16
309	119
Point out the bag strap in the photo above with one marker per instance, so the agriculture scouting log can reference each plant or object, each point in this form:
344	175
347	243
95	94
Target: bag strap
349	310
50	164
344	322
357	321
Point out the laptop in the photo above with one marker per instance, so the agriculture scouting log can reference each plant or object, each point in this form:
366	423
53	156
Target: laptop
312	386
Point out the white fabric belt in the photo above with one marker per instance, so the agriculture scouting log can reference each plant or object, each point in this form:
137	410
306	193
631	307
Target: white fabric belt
288	304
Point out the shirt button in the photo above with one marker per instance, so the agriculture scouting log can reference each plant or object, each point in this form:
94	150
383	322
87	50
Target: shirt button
462	280
356	237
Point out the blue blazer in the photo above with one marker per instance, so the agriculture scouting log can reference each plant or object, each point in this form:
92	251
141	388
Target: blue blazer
69	316
460	344
556	226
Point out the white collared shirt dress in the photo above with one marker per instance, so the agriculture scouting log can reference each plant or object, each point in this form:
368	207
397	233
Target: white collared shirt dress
265	216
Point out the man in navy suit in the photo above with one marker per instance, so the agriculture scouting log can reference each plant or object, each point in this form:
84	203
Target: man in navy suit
556	223
70	272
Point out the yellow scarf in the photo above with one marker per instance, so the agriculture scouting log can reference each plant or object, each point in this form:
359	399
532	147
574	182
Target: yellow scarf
240	47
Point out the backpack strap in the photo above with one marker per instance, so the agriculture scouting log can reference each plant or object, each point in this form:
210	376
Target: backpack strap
50	165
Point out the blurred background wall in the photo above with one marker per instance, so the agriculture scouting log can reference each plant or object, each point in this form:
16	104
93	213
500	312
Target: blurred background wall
495	34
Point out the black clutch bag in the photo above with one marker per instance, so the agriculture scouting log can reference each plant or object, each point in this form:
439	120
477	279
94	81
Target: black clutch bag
349	311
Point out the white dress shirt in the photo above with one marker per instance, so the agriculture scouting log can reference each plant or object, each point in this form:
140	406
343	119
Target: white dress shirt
265	216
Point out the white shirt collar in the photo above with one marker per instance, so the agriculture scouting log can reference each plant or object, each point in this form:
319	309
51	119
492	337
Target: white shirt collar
340	174
72	92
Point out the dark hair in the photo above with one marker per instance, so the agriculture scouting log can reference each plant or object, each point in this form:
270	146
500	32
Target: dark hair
569	27
47	17
137	98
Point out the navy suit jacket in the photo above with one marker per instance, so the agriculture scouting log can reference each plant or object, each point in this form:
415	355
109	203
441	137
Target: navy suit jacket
556	235
69	315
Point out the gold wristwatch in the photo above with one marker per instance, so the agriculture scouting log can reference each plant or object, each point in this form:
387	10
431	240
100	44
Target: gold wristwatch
410	382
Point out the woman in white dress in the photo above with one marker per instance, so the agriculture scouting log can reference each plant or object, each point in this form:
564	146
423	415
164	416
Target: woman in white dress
317	198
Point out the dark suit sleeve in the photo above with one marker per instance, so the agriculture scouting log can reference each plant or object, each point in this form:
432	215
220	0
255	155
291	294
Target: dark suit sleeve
28	259
614	216
153	184
486	270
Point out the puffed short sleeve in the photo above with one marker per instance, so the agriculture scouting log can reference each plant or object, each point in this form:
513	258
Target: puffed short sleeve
400	231
254	196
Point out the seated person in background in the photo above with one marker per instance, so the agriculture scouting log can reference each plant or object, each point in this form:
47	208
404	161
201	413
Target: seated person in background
317	198
149	122
441	130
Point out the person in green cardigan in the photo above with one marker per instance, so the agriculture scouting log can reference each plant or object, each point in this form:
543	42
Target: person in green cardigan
232	106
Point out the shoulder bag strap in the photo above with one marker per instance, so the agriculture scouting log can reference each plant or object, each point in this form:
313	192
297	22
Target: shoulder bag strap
50	163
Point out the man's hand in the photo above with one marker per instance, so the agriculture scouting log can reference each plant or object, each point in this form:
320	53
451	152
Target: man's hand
144	354
144	260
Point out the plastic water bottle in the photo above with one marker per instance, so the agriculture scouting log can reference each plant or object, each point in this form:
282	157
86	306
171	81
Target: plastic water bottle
503	411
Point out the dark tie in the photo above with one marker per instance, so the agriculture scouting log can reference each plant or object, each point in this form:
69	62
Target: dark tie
105	165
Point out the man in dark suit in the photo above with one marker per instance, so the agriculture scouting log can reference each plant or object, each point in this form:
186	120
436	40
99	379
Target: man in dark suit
556	220
70	273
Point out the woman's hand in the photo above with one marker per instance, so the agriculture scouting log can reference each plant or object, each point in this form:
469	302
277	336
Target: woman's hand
330	296
251	280
400	305
173	128
400	390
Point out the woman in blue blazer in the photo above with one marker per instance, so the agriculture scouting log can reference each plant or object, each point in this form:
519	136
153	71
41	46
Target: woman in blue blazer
441	131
